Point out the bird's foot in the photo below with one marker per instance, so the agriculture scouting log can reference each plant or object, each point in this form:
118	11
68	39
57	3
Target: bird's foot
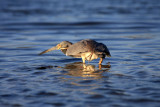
100	66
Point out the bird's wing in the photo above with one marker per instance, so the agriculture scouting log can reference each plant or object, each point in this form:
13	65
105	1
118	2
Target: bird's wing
87	46
80	47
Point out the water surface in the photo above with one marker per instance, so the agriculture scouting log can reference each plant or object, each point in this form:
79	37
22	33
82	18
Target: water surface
130	29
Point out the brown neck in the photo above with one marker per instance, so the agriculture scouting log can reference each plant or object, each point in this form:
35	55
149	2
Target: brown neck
64	50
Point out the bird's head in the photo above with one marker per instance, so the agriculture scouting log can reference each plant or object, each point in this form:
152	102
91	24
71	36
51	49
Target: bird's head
61	46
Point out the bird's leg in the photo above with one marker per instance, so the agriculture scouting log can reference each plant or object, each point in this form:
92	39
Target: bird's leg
100	61
100	67
83	58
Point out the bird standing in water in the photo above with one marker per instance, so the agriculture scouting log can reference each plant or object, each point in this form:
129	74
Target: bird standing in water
86	49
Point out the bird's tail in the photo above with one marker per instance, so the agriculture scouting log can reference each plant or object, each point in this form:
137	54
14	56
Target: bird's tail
109	55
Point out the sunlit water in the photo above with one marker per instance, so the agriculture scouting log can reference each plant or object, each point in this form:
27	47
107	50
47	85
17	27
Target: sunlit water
130	29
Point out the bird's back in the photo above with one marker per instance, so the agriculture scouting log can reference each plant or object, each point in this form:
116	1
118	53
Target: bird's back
87	45
78	48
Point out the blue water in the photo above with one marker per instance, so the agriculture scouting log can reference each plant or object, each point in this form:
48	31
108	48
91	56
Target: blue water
129	28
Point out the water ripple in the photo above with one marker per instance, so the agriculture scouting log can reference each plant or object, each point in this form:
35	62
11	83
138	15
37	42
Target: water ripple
130	29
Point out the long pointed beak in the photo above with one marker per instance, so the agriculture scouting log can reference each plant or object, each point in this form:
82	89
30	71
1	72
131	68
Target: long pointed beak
48	50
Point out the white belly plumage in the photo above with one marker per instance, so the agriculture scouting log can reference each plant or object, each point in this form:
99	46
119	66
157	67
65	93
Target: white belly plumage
90	56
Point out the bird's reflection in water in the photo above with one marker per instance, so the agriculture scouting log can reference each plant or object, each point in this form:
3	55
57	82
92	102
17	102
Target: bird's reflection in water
79	69
86	70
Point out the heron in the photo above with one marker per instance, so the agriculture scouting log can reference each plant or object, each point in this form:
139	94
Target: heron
86	49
